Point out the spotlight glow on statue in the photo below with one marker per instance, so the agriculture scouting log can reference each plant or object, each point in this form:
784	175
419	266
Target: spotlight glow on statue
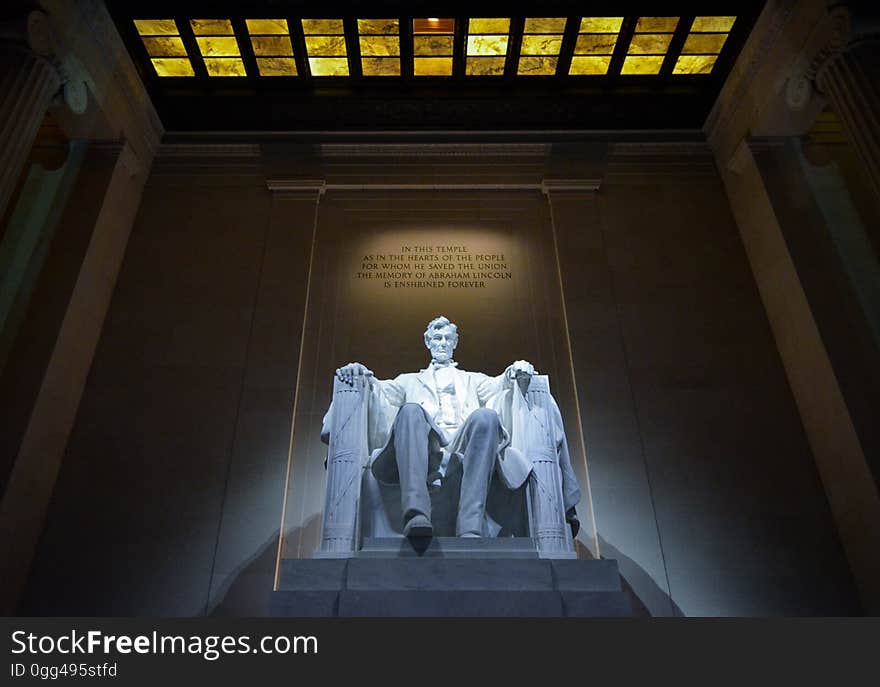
427	423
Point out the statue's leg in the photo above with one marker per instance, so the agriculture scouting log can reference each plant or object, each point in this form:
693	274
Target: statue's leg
482	431
411	429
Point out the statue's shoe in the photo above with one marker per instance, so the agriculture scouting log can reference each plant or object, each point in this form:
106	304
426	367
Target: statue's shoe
418	526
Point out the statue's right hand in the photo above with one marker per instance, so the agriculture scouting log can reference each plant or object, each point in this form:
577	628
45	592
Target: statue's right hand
348	373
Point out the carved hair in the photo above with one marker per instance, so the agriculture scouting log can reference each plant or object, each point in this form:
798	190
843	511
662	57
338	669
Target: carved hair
440	323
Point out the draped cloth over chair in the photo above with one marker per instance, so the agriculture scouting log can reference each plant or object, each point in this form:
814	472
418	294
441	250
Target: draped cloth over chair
532	488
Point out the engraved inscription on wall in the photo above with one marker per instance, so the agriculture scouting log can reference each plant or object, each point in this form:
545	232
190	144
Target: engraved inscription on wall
434	266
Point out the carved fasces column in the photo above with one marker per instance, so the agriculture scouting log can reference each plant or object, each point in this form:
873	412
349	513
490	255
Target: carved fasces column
346	456
847	72
546	505
28	82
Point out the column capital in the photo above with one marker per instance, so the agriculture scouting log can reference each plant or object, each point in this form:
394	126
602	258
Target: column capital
30	31
829	37
842	26
837	31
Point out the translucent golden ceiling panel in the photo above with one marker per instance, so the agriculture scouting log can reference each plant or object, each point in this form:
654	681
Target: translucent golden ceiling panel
211	27
601	25
487	43
380	47
156	27
380	66
486	46
695	64
541	43
325	45
380	27
433	43
432	66
656	24
649	44
597	38
270	39
433	25
649	64
224	67
703	45
218	46
264	27
544	25
276	66
165	47
272	46
537	66
323	26
167	66
713	24
595	44
482	26
486	66
328	66
585	65
159	46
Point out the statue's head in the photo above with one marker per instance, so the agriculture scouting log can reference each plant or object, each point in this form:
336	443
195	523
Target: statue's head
441	338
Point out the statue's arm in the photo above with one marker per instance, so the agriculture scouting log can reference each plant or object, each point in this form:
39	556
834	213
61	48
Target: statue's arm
389	391
489	387
383	395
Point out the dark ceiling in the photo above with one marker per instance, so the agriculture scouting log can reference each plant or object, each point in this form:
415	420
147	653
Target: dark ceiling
509	101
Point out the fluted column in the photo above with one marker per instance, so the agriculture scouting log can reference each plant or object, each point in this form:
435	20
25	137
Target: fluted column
550	532
848	75
346	457
28	82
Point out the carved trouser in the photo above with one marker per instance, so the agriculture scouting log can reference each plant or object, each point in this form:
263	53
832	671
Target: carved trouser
481	433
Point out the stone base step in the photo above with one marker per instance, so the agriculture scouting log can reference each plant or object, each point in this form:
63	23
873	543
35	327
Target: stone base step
449	587
448	547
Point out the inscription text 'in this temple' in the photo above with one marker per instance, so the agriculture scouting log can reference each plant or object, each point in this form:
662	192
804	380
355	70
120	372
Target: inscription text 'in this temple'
435	267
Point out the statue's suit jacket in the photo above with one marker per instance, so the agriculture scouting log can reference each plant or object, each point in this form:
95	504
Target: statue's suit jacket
473	390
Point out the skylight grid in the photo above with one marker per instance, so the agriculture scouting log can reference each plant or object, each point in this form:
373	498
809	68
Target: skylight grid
703	45
165	47
273	51
487	43
380	46
541	44
325	46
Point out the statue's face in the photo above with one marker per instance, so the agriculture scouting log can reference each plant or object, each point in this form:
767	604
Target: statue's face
441	343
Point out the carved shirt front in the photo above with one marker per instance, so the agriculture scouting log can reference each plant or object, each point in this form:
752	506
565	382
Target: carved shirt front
448	416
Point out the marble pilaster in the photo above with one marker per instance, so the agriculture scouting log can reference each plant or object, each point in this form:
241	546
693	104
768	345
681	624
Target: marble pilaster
28	82
849	77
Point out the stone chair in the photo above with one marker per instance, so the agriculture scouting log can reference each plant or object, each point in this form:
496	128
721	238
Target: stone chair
358	507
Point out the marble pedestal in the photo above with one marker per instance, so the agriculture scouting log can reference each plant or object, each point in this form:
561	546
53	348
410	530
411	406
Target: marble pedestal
451	578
